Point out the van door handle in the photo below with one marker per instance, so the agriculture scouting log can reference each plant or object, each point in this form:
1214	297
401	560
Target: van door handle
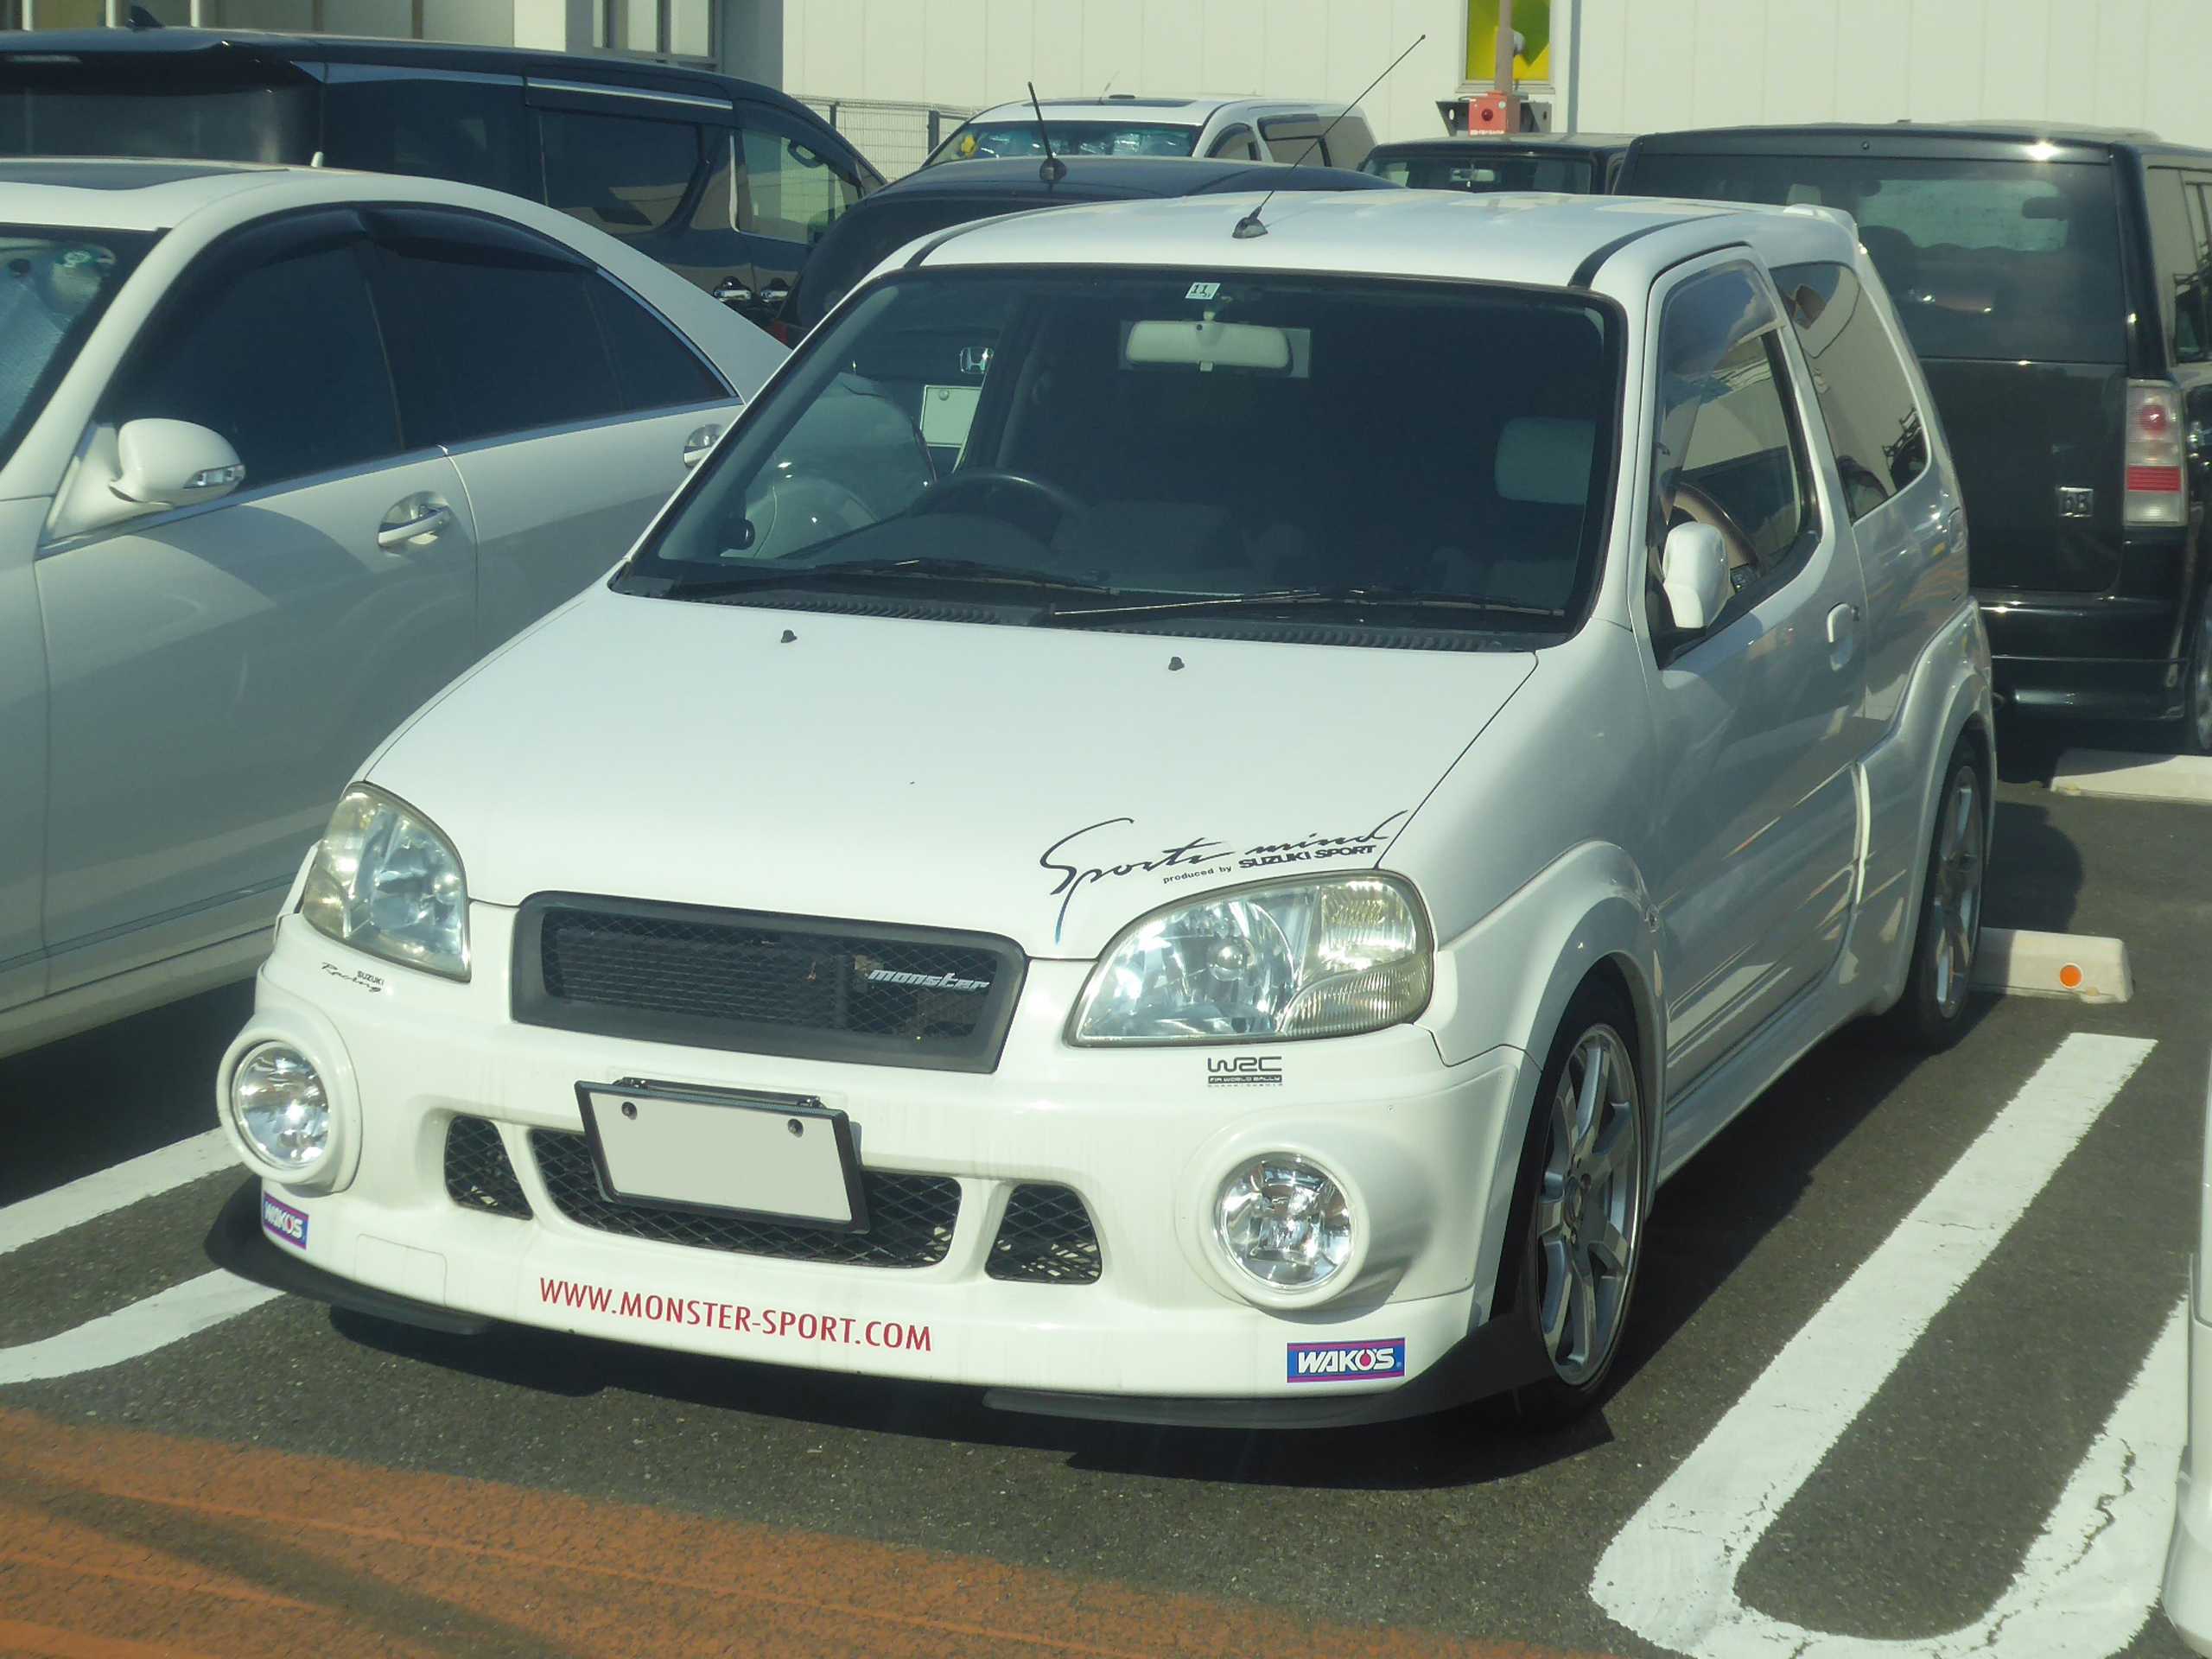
697	446
1843	634
413	521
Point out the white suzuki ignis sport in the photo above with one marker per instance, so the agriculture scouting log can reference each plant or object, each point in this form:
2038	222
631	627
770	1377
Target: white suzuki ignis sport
1192	812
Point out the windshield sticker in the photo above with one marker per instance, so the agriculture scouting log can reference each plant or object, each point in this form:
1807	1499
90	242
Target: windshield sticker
1196	857
1202	291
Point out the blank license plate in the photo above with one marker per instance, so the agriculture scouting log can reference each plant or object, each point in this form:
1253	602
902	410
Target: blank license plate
782	1158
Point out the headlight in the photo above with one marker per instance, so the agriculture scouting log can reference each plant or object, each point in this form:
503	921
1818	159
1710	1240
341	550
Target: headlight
385	882
1318	958
1282	1220
280	1107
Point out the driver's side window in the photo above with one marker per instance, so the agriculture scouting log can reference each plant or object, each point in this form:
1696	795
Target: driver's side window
1727	452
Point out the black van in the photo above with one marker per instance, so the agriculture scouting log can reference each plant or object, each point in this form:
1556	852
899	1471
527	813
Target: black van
727	182
1572	164
2053	282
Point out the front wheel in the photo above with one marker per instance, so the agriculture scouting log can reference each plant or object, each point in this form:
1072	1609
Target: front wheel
1586	1181
1931	1015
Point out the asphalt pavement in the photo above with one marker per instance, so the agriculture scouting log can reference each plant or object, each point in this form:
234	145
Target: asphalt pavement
227	1490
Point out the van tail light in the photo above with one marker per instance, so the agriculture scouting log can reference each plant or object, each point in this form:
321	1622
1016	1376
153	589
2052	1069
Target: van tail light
2154	461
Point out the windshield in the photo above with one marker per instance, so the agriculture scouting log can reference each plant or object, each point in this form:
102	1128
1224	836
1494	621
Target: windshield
54	285
1991	260
1455	169
1429	454
1018	138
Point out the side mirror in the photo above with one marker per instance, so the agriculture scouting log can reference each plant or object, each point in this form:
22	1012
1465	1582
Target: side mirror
173	464
1694	571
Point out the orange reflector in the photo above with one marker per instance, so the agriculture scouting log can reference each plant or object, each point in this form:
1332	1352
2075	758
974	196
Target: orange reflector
2069	976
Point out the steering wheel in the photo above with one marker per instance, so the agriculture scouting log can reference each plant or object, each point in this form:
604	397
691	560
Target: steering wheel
939	496
1700	508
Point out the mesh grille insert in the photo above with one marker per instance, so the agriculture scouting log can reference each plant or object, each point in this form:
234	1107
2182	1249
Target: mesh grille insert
767	984
1046	1239
910	1216
478	1175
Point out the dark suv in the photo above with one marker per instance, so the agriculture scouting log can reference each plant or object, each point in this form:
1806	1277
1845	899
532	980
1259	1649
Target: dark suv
2053	282
727	182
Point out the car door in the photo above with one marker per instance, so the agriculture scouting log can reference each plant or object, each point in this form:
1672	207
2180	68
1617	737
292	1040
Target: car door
571	409
1758	718
217	672
790	191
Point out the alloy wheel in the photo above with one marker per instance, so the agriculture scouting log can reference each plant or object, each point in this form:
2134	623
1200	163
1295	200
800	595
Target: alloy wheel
2200	683
1589	1219
1954	896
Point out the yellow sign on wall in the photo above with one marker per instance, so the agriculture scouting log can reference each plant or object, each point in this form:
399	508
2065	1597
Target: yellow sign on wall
1532	22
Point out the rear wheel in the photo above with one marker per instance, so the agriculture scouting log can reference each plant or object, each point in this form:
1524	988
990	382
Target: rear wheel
1931	1014
2196	707
1586	1177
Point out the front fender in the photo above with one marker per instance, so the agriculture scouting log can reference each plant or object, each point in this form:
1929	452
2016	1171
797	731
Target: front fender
1506	982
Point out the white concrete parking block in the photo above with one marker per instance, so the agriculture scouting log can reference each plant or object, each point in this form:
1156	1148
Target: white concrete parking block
2079	966
2090	1579
114	1189
2183	778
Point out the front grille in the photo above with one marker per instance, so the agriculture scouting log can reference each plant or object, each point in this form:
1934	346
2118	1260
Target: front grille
1046	1238
910	1216
765	984
479	1174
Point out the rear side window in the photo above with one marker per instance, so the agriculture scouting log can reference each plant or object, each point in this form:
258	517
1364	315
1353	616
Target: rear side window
1991	260
2181	260
1237	144
617	172
654	366
469	129
1295	137
1864	398
285	360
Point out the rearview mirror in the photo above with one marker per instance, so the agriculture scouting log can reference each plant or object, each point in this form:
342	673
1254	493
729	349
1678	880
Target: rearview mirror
1694	571
173	464
1211	345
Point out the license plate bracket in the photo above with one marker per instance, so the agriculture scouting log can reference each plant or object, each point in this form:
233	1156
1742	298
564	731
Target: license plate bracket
786	1159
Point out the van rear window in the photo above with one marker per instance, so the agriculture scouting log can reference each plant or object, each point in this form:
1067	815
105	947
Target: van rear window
1985	259
215	112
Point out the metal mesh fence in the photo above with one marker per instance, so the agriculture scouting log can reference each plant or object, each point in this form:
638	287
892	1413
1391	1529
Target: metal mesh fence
897	137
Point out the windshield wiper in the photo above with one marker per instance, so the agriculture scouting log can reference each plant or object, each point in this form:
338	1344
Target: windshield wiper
1289	598
969	570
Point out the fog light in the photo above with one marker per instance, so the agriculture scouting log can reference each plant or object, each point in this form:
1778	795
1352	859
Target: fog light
1283	1220
278	1104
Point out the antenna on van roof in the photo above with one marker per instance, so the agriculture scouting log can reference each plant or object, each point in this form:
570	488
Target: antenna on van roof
1052	170
1249	226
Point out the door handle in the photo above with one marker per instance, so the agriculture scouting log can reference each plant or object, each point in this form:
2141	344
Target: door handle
1843	634
414	521
730	291
696	447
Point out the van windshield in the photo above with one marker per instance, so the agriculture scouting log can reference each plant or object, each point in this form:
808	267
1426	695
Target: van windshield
1018	138
54	285
1456	169
1985	259
1108	444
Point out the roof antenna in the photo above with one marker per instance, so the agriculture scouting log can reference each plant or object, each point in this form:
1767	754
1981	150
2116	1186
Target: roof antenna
139	17
1249	226
1052	170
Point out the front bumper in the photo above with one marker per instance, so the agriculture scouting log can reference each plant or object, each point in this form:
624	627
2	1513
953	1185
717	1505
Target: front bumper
1161	1336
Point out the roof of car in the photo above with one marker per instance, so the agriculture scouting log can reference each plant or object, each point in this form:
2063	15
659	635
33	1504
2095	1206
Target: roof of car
124	194
1550	240
1905	138
1103	178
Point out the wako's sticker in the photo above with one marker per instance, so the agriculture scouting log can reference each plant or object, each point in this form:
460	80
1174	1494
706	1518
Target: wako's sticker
1346	1362
281	1221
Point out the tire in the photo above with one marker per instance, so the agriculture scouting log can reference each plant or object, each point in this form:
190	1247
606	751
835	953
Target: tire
1585	1186
2196	684
1931	1015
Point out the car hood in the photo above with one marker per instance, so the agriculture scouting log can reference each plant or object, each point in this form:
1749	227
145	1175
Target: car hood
1045	784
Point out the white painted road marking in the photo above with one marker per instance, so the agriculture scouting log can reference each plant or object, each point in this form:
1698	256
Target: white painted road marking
177	1312
2090	1579
2186	778
127	1183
